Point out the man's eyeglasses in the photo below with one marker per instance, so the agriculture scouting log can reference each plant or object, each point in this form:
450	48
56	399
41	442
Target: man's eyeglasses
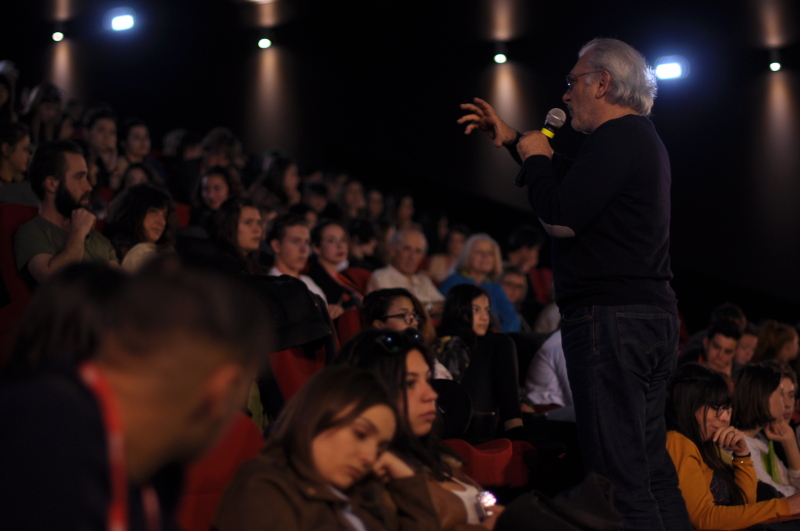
408	318
573	78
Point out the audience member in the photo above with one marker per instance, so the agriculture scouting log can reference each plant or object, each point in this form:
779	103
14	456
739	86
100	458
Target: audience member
402	210
42	112
63	232
328	464
352	203
363	245
405	367
440	265
134	139
219	147
719	346
547	382
407	248
524	246
376	206
715	468
237	234
746	347
278	185
515	286
7	100
217	185
137	173
102	157
758	406
723	312
103	441
329	268
777	341
290	241
490	378
15	152
182	152
301	209
480	265
141	224
315	195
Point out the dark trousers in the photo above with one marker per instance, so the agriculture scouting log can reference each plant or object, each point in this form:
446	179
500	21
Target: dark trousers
618	361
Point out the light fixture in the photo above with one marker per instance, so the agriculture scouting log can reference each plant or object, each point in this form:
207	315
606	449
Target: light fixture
500	52
58	36
774	60
264	43
120	19
671	67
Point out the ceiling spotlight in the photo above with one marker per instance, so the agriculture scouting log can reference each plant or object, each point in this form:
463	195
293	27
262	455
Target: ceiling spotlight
774	60
58	36
671	67
500	52
264	43
120	19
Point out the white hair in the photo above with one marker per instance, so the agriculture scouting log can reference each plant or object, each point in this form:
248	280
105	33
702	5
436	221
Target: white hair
633	82
397	238
461	263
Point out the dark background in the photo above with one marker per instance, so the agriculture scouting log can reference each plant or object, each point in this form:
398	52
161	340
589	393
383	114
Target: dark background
374	87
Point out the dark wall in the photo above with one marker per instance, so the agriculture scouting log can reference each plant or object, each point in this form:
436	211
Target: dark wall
375	86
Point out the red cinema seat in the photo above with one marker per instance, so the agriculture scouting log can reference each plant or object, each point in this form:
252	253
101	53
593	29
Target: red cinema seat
183	214
292	368
12	216
207	479
487	463
348	324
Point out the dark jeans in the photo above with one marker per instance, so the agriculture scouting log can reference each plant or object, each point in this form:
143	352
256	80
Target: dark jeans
618	360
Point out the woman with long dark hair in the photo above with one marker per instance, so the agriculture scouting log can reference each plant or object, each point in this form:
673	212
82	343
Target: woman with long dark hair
715	470
238	232
405	366
758	408
326	465
490	373
141	224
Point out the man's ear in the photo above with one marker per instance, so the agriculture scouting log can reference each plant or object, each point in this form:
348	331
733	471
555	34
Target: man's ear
51	184
604	84
275	245
222	387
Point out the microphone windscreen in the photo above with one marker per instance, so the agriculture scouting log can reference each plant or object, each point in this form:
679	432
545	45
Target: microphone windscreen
556	118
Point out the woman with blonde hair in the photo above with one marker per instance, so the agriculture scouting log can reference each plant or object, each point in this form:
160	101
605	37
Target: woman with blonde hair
480	264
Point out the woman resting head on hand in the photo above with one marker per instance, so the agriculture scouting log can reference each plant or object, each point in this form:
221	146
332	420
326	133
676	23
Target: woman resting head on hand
405	366
326	462
715	470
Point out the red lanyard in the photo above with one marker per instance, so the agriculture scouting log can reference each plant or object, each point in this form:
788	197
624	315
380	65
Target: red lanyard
118	509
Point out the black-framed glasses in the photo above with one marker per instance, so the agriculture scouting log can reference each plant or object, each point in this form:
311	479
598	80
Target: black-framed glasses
408	317
573	78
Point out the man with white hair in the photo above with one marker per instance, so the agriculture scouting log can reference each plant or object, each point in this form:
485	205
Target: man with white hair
407	248
608	212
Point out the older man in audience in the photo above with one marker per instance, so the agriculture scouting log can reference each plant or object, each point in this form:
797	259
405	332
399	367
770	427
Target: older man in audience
407	248
100	444
63	232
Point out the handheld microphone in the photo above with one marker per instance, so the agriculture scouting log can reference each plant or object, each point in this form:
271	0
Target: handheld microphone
554	120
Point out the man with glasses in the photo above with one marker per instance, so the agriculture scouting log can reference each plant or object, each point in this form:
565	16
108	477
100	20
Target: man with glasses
608	212
407	248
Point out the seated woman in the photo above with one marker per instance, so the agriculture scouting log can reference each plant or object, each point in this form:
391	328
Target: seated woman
326	465
490	373
404	365
758	412
141	225
398	309
328	266
278	185
15	152
237	234
439	264
217	185
715	470
777	341
480	264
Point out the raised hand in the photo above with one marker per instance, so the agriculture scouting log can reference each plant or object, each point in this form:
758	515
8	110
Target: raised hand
483	116
732	440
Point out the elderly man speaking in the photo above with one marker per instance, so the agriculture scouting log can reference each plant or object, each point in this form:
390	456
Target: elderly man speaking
608	212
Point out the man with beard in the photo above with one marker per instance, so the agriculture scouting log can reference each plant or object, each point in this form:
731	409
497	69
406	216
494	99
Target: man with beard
63	232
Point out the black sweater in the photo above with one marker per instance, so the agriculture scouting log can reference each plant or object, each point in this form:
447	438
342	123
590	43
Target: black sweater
608	212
